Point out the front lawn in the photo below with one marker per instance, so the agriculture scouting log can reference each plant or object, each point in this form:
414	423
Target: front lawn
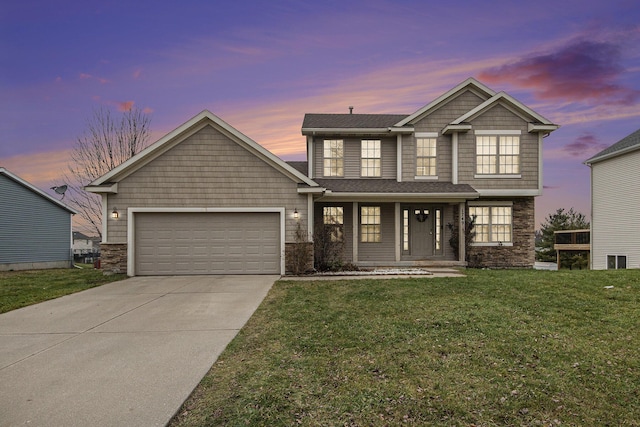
525	348
22	288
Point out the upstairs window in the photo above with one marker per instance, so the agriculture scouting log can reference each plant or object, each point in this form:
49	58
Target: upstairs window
333	219
370	224
333	157
370	158
497	154
493	224
426	157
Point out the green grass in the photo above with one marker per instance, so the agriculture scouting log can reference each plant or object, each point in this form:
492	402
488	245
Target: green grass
524	348
22	288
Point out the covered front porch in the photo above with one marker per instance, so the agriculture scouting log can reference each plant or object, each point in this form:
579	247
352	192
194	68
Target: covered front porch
377	234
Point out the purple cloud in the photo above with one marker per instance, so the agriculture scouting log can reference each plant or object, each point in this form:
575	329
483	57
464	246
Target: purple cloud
580	71
584	146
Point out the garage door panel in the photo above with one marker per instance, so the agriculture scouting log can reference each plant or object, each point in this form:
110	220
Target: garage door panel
207	243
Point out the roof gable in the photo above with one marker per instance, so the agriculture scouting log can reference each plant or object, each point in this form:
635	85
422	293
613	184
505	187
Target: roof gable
507	101
469	84
36	190
628	143
175	137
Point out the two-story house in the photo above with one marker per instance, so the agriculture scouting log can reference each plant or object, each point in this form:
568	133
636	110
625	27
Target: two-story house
399	184
208	199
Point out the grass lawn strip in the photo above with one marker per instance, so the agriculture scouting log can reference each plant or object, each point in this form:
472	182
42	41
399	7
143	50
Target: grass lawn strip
23	288
494	348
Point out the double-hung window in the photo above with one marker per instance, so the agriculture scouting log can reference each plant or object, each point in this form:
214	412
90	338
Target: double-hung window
333	157
498	153
333	219
425	157
370	224
493	224
370	158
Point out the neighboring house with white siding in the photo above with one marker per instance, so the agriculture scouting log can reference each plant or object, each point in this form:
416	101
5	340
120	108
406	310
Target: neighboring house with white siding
615	205
35	228
207	199
83	244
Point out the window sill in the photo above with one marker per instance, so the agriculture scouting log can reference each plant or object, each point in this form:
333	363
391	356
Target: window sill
498	176
427	178
492	244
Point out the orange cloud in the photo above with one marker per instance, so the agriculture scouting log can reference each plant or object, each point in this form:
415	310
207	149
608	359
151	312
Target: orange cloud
40	169
84	76
137	73
125	106
277	126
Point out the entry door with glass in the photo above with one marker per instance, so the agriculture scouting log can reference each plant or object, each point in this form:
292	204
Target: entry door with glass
422	232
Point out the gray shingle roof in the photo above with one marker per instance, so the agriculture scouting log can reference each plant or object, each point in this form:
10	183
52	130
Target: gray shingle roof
302	167
392	186
355	121
625	143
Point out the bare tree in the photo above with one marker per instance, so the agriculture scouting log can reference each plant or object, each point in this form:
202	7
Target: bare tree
106	142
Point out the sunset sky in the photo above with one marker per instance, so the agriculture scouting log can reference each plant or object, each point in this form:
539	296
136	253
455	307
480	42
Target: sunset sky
261	65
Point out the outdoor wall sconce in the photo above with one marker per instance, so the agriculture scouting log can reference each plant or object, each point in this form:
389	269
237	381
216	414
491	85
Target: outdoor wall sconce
115	214
296	215
421	214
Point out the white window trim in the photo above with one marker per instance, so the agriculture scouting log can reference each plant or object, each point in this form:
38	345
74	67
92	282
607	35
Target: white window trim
379	141
417	136
502	132
131	226
498	132
498	176
499	205
324	158
616	256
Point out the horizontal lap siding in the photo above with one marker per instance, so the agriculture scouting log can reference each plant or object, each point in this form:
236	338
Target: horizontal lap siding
352	156
385	249
206	170
616	210
32	229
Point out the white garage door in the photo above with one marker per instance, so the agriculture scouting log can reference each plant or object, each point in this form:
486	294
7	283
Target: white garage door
207	243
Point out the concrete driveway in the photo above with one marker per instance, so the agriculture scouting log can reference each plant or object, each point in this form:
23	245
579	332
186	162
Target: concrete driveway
126	353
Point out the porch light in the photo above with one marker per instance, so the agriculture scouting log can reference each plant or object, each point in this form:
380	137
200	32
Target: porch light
115	214
296	215
421	214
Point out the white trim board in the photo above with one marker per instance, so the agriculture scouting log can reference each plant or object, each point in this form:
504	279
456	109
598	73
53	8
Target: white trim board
131	227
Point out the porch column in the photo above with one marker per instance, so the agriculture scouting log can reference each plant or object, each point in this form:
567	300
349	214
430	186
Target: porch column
461	234
356	235
310	218
398	232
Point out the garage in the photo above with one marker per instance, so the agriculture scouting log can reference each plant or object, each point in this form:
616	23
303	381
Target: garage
183	243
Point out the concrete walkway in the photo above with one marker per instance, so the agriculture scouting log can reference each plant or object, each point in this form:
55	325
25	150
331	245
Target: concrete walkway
124	354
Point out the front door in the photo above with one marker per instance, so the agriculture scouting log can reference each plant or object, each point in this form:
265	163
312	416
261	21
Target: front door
422	231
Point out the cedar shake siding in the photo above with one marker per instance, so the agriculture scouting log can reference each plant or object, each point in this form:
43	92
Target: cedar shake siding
435	121
205	170
205	165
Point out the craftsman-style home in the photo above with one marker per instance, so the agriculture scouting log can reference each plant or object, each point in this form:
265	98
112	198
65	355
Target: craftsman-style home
394	189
